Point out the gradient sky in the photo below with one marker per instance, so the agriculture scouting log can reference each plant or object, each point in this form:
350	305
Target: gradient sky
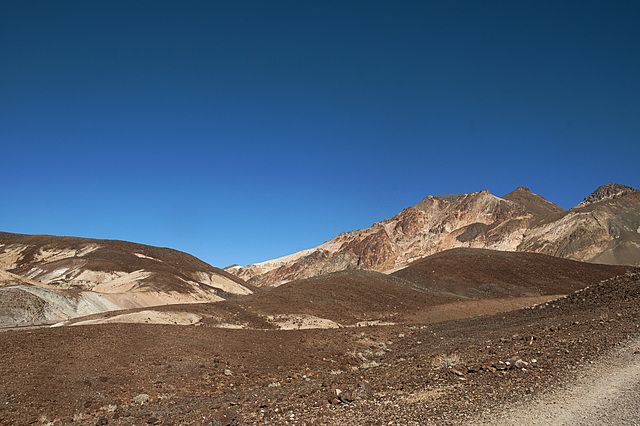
240	131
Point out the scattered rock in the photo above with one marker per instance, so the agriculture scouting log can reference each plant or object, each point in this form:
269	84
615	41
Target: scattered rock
225	418
362	390
456	372
141	399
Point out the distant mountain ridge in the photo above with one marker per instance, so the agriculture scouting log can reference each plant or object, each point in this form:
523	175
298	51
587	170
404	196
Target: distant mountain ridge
603	229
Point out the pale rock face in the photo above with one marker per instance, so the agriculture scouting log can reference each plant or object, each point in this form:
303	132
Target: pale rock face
51	255
221	282
10	255
557	239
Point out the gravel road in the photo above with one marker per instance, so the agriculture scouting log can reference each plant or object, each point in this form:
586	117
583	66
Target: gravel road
606	392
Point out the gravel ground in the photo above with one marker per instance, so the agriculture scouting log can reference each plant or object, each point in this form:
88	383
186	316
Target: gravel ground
606	392
455	372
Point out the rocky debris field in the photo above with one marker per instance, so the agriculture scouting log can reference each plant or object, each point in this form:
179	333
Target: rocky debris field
455	372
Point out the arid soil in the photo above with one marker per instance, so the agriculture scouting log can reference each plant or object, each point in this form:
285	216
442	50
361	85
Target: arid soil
452	372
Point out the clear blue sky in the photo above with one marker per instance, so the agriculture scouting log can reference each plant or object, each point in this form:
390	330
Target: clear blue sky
240	131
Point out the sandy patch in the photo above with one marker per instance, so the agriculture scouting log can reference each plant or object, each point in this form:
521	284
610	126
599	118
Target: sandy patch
147	317
223	283
474	308
58	254
301	322
142	256
141	299
113	282
371	323
11	255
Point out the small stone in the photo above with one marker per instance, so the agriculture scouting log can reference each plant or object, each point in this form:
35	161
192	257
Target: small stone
520	364
225	418
362	390
456	372
141	399
228	372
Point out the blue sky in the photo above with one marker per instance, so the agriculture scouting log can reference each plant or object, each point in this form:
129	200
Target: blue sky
240	131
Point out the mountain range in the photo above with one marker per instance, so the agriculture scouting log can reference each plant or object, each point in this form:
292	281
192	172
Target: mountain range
48	279
604	228
439	315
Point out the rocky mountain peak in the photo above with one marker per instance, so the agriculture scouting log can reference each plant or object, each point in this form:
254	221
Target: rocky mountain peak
534	203
607	192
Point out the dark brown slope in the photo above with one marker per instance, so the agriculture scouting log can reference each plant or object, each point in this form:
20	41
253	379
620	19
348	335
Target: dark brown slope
533	203
481	273
456	283
345	297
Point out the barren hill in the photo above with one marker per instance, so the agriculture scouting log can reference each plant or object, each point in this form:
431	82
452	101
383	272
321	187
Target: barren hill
48	278
480	273
605	230
413	372
453	284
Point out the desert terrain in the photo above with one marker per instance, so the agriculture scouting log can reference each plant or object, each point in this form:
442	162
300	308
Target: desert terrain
103	332
395	351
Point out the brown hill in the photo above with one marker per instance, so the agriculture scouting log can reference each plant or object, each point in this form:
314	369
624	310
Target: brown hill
443	279
345	297
77	276
481	273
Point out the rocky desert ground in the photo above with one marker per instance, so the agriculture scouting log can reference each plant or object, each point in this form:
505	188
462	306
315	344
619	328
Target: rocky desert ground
384	363
101	332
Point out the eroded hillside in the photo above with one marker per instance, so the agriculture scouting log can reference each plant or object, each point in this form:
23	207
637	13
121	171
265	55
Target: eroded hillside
47	278
603	228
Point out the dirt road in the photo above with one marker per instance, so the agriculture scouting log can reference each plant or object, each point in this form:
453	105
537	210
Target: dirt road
606	392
